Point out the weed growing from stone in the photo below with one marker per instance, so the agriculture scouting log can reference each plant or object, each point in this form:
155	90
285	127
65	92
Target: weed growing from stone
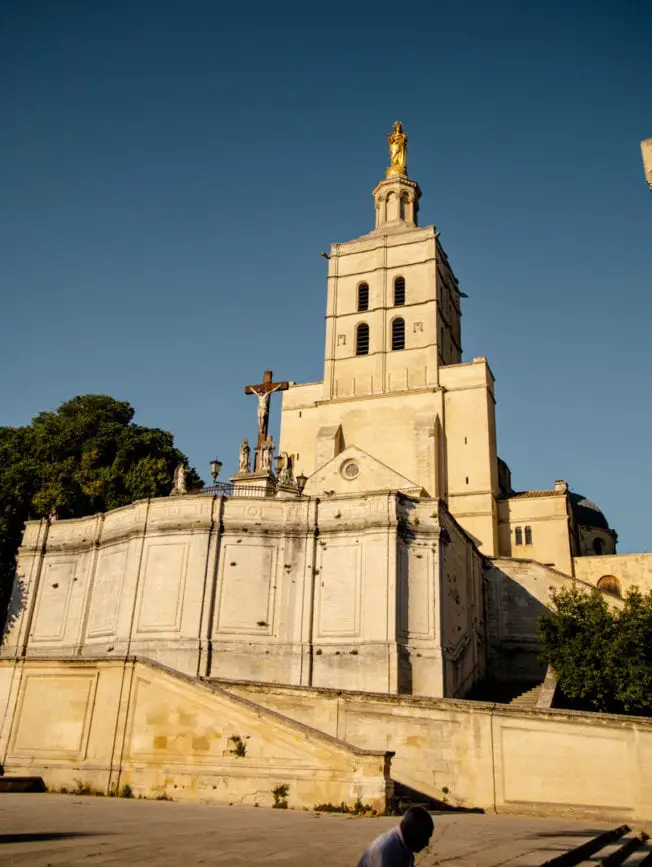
280	795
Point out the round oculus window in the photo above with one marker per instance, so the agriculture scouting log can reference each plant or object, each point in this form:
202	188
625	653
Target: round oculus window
350	470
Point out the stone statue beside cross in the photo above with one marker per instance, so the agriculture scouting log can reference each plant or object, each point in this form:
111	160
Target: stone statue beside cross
264	444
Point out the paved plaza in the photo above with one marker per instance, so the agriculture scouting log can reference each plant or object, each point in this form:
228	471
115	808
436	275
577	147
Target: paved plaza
53	830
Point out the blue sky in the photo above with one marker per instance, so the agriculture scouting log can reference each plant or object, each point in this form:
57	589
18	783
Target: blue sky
172	170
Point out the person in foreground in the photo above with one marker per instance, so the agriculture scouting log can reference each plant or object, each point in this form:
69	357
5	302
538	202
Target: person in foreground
396	848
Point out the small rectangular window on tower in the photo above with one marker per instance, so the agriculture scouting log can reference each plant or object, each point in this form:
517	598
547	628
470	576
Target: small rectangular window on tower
363	296
528	535
518	536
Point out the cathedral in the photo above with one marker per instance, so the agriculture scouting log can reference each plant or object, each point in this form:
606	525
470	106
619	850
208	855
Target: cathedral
399	409
383	549
311	616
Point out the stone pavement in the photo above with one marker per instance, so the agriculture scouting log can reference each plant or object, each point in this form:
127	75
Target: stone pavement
52	830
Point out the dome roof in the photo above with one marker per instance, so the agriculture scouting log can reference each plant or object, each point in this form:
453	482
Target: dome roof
587	513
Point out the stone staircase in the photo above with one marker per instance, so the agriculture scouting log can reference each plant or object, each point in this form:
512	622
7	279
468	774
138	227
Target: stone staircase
527	699
618	847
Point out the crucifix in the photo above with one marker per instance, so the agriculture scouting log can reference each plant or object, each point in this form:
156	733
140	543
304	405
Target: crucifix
262	391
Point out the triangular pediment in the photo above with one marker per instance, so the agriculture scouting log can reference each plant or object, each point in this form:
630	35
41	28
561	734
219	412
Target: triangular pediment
354	471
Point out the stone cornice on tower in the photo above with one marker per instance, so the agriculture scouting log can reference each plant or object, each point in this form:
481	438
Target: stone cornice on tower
397	203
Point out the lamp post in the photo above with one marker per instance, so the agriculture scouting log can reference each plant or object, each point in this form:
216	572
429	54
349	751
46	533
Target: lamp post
301	482
278	463
216	466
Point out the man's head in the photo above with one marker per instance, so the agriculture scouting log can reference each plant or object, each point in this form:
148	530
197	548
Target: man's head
416	827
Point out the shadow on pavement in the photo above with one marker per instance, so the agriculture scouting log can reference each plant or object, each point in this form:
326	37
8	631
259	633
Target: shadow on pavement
578	832
38	836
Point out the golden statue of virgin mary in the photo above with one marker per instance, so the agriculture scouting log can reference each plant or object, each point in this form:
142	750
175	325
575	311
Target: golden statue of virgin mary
397	141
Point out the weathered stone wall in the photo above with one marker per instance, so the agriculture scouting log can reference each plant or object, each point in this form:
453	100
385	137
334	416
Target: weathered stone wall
463	614
132	580
518	592
108	724
548	520
631	570
498	757
344	592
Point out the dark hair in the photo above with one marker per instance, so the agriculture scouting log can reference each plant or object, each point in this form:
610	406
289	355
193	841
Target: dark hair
416	827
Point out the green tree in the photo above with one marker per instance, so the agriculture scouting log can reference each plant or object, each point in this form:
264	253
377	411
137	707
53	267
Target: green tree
631	654
602	655
86	457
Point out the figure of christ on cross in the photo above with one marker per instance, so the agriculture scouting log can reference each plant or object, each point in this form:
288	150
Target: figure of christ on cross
263	391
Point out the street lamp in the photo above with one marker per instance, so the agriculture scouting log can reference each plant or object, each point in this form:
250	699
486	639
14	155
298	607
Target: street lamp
278	461
301	482
216	466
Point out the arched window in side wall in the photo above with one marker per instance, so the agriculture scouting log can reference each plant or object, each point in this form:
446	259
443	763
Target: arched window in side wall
398	334
363	296
399	292
528	535
518	536
362	339
611	585
598	546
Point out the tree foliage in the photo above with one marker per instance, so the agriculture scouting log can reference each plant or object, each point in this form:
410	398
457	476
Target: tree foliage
602	655
86	457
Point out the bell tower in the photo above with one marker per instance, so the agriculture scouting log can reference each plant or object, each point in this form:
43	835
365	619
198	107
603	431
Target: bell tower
397	408
393	309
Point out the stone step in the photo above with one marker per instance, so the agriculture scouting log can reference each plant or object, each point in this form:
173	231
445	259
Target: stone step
529	698
581	853
575	854
642	857
616	853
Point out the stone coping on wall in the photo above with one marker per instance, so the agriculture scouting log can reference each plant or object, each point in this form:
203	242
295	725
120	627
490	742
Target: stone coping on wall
462	704
546	566
308	732
612	601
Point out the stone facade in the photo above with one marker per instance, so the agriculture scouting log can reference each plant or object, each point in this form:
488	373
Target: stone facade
518	592
371	592
111	724
493	757
628	570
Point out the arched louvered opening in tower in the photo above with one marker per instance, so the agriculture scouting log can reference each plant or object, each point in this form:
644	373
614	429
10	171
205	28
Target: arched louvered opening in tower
362	339
363	296
398	334
399	292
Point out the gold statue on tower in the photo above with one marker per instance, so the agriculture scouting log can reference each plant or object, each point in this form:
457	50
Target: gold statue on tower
397	141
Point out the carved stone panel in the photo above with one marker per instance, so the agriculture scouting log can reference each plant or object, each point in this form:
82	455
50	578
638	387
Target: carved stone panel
416	592
53	601
247	573
338	590
53	715
107	589
163	584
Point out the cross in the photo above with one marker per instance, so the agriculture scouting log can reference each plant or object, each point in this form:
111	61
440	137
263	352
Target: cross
262	392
